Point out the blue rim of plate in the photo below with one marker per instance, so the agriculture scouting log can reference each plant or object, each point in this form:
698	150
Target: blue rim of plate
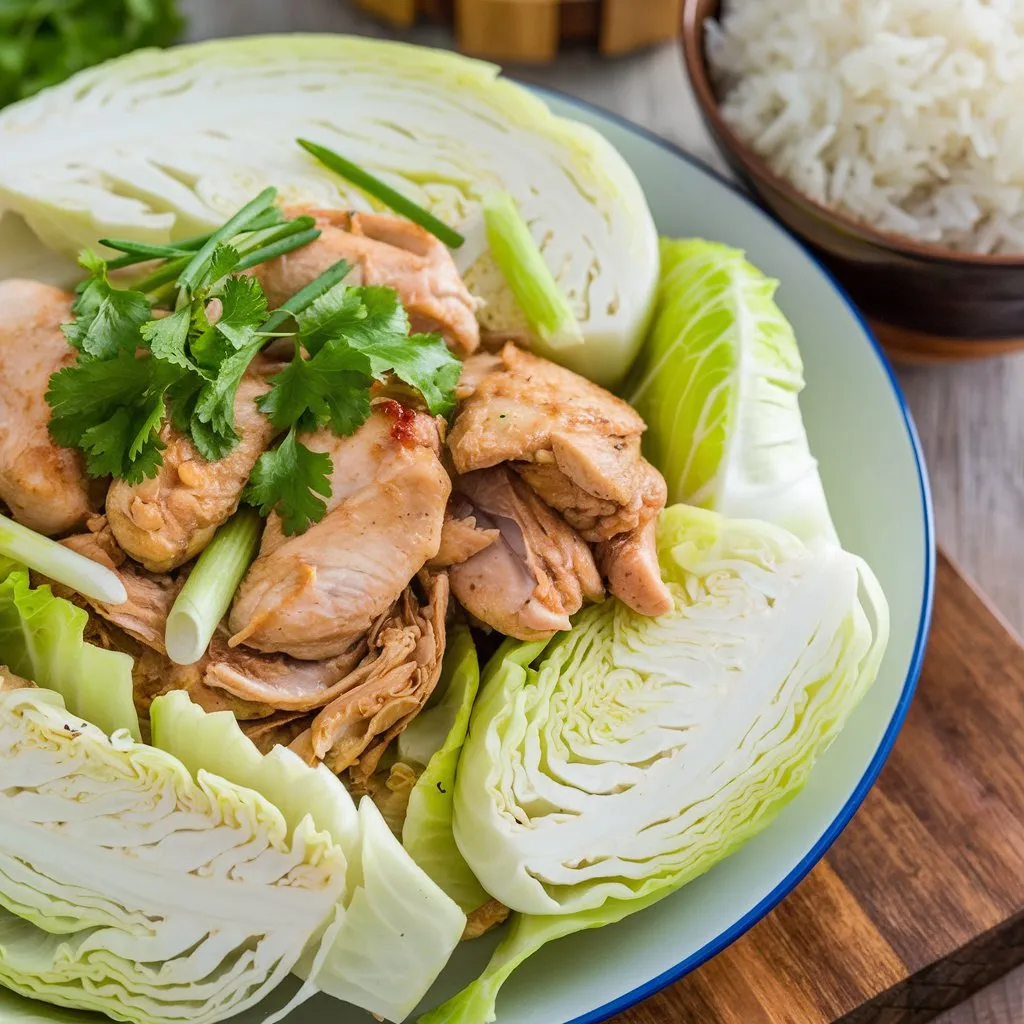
842	819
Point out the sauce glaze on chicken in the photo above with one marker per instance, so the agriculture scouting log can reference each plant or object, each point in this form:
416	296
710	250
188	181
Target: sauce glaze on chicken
531	502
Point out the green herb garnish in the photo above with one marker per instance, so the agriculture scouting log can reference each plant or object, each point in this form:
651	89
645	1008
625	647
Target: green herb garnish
385	193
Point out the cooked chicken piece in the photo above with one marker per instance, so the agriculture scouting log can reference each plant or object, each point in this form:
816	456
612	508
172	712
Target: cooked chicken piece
154	674
390	686
44	486
278	730
484	918
461	539
10	681
577	445
284	683
390	790
630	564
536	574
150	596
170	518
578	448
385	250
311	595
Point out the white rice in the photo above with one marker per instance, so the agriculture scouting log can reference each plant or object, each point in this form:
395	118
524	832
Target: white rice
907	114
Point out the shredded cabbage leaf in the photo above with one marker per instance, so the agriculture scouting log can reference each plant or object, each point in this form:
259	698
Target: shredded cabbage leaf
658	746
718	382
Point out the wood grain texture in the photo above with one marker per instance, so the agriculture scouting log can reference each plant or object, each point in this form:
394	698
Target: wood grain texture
970	416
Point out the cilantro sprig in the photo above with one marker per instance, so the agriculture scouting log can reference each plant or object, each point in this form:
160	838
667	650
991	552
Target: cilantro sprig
139	366
348	339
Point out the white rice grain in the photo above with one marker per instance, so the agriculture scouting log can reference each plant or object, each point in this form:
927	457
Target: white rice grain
907	114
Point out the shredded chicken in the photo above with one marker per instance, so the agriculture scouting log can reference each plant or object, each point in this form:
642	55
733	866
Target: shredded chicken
484	918
311	595
461	539
278	730
43	485
10	681
538	572
578	447
388	251
390	790
388	688
150	595
170	518
630	564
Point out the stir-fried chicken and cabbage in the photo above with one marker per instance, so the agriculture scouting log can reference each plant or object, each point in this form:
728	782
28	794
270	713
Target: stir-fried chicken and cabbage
505	491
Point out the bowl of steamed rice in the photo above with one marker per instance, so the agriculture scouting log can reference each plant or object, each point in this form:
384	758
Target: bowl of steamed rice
890	138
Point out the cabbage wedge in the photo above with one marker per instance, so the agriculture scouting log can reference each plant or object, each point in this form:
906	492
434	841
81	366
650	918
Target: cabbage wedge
719	382
228	868
161	145
658	746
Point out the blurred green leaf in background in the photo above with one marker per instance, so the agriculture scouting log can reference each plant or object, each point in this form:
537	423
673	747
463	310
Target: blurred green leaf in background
42	42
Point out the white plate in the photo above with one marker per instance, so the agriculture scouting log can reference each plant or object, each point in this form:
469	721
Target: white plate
874	474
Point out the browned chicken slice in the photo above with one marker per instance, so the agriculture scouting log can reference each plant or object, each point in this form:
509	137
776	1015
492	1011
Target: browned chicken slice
483	919
311	595
385	250
389	687
279	730
578	447
253	686
167	520
150	596
537	573
44	486
630	564
461	539
10	681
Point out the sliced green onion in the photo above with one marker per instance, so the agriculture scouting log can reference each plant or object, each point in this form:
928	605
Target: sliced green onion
527	274
211	585
385	193
60	564
143	249
241	221
278	248
305	297
265	236
166	274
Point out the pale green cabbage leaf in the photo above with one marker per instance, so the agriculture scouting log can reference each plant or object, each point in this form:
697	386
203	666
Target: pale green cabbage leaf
41	640
165	144
229	868
658	746
718	382
435	738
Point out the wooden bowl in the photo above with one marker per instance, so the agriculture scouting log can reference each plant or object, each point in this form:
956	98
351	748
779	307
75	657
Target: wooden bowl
925	302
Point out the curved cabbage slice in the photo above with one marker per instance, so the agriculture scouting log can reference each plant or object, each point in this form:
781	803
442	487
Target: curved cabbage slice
658	746
436	738
41	640
164	144
114	858
718	382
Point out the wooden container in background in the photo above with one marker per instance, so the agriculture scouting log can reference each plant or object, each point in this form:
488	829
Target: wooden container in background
532	31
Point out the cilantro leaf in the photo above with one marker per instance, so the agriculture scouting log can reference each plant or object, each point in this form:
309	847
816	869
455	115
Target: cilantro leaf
122	436
331	387
288	479
212	422
244	310
107	319
380	330
168	337
421	361
338	312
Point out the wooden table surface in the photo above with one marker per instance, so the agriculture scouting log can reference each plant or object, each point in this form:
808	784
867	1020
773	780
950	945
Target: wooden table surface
970	417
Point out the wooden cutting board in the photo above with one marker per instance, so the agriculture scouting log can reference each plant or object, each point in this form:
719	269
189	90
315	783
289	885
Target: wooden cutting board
920	902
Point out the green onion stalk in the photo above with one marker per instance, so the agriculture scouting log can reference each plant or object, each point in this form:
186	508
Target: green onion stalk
528	276
207	593
60	564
